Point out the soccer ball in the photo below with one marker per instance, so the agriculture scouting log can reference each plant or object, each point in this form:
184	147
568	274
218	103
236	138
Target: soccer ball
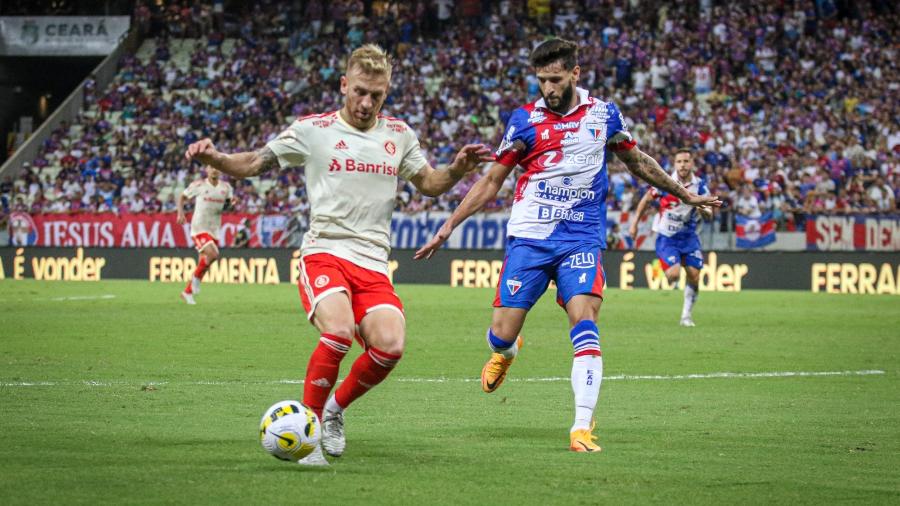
289	430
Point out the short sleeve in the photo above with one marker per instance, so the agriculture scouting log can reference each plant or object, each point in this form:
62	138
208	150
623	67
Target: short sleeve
413	160
516	130
230	192
292	145
193	189
618	138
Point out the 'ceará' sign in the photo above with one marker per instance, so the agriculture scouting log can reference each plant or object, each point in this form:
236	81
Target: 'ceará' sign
61	35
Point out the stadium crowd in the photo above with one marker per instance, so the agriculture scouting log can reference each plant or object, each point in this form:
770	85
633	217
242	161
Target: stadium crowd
790	106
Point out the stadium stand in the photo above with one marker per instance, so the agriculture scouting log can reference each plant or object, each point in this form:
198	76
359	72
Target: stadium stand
791	105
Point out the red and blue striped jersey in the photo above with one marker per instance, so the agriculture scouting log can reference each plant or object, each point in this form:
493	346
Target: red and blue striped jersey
561	195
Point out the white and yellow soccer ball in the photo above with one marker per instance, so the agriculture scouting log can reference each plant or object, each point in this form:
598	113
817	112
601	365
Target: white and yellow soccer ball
289	430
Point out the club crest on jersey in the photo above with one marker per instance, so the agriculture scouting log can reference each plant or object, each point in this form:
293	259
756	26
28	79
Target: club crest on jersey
536	116
390	147
597	130
513	285
322	281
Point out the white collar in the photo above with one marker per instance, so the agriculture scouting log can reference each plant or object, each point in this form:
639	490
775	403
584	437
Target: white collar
583	98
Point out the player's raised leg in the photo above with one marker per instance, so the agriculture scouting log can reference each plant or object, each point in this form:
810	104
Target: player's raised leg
504	340
383	330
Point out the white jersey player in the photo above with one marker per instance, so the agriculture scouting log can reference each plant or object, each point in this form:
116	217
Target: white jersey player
352	159
211	196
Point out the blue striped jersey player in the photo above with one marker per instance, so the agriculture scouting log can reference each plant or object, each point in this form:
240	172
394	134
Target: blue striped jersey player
557	225
677	242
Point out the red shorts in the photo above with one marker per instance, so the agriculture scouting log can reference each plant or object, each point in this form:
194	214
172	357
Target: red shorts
322	274
204	238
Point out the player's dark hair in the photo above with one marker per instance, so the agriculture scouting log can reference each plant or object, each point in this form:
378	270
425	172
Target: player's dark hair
684	149
555	50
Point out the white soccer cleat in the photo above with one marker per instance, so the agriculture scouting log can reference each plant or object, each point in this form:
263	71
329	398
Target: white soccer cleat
316	458
333	440
188	298
195	284
687	322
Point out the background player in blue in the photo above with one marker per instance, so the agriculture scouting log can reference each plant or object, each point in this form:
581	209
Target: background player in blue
677	242
557	227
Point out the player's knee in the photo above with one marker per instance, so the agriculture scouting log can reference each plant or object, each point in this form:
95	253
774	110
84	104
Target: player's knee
342	330
212	255
392	343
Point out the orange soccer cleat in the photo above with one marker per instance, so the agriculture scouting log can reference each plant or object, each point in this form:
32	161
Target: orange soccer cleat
494	371
582	440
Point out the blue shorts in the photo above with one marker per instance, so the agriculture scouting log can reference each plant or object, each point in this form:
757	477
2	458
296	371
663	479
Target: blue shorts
531	264
685	251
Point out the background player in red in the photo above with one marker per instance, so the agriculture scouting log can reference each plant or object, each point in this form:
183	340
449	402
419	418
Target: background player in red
211	196
352	158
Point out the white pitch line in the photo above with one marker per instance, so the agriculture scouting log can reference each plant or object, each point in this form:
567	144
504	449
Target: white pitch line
62	299
619	377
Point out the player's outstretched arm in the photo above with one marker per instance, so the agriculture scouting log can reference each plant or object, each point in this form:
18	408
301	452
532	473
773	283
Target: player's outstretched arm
434	182
238	165
645	167
482	191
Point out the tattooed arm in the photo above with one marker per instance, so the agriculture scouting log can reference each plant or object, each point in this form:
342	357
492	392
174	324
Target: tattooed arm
238	165
645	167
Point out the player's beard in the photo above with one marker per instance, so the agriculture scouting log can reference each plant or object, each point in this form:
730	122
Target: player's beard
563	106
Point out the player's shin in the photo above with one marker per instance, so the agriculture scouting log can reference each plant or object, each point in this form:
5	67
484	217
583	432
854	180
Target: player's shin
690	297
587	372
370	369
508	349
322	370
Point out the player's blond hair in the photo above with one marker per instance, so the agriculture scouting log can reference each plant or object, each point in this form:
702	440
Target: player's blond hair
371	59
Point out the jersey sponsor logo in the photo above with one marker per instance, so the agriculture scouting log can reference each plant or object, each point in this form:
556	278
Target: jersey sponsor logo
513	286
536	116
341	145
599	112
569	139
547	191
568	125
581	260
507	141
558	213
390	147
359	166
321	281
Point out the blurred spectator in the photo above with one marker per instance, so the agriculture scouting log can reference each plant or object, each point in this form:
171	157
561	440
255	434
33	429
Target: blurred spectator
782	103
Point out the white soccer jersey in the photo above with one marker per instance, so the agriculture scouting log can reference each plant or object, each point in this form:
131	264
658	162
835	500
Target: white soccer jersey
351	179
208	205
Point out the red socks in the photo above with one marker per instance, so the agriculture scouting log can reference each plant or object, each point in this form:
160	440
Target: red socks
202	265
368	370
322	371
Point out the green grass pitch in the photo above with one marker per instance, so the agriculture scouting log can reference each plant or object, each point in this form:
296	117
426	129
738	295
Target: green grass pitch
117	393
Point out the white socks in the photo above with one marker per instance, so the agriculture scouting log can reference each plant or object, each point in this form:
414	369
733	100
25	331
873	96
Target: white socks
690	297
333	406
587	373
